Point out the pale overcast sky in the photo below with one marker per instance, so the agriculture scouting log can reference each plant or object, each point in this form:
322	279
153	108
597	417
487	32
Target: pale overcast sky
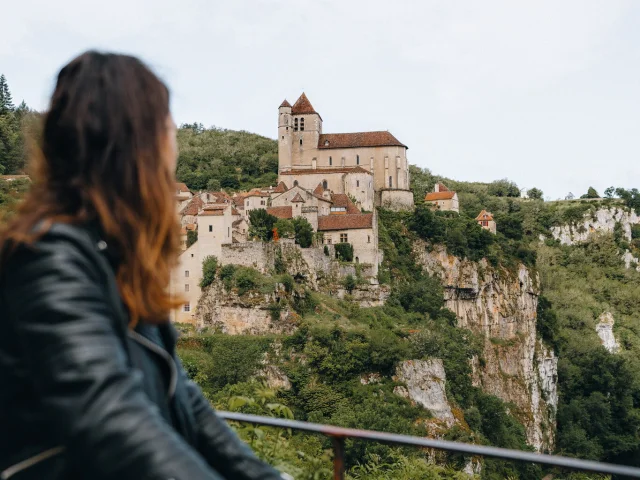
546	93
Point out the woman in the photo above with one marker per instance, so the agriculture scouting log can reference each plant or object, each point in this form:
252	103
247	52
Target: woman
91	387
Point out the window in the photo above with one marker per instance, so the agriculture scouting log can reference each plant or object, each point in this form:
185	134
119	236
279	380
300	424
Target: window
325	185
187	307
211	228
329	240
302	124
192	255
368	238
295	183
186	273
357	260
228	231
295	124
326	143
287	129
208	197
186	287
485	223
357	183
339	209
343	238
357	159
262	202
330	161
247	203
390	182
282	137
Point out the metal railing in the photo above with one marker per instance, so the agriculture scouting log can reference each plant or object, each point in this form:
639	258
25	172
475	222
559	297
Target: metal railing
339	434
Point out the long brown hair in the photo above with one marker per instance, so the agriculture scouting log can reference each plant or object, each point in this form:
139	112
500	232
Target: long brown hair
102	158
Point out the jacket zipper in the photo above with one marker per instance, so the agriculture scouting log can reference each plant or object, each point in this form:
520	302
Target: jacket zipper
164	354
30	462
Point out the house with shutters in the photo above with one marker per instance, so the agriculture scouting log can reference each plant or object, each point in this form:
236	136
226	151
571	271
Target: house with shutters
370	167
486	221
442	199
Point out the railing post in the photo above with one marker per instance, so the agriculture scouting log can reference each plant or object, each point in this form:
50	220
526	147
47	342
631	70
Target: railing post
338	458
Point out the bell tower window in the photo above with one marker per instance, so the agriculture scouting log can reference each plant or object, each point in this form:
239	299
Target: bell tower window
295	124
390	182
357	159
302	124
330	161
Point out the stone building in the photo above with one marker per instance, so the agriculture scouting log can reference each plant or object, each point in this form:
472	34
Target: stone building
442	199
182	194
370	166
486	221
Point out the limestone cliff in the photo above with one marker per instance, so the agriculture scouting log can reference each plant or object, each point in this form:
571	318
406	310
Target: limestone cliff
501	306
603	220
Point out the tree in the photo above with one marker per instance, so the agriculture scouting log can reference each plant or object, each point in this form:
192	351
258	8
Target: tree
213	185
285	228
261	224
570	196
303	232
192	237
591	193
609	192
503	188
209	267
535	193
350	283
6	102
344	252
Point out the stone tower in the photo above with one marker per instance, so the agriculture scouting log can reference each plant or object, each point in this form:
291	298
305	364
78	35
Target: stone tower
285	135
306	131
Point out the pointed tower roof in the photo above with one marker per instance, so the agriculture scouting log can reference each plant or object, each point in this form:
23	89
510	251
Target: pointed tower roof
319	190
281	188
298	199
484	215
285	104
303	106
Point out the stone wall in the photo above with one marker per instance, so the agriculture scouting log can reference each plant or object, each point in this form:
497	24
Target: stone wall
396	200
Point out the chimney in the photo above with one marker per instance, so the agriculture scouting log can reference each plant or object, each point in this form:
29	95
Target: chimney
437	187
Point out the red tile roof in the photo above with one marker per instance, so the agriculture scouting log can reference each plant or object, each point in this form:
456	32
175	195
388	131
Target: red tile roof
193	207
297	199
218	197
319	190
345	222
256	192
358	139
303	106
433	196
281	188
442	187
280	212
181	187
213	210
238	200
285	104
484	215
315	171
343	200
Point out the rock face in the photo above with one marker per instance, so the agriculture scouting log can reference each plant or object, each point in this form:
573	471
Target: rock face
502	306
425	385
604	329
604	220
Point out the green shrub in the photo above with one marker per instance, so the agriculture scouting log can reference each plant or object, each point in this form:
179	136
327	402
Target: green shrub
209	267
226	275
349	283
288	282
303	232
285	228
246	279
344	252
192	237
261	224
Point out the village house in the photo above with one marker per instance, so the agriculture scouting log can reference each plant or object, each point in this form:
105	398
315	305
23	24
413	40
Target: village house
486	221
442	199
182	194
372	167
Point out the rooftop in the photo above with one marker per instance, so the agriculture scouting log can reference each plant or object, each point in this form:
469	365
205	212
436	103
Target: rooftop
484	215
358	139
280	212
345	222
433	196
303	107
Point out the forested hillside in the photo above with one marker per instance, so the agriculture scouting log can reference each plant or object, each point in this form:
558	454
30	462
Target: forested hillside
336	346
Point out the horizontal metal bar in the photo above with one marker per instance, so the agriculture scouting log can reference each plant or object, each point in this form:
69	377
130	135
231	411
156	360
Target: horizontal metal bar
458	447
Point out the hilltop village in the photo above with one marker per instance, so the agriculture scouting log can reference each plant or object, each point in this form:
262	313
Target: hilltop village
335	181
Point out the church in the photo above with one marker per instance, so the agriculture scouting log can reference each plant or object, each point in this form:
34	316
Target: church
369	167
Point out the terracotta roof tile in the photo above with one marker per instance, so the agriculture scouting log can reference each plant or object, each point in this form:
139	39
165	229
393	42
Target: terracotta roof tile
211	213
345	222
484	215
256	192
280	212
358	139
193	207
238	200
343	200
303	106
319	190
181	187
315	171
285	104
280	188
297	199
433	196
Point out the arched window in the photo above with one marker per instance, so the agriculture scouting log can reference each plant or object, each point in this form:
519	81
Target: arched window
357	260
357	183
300	141
357	159
390	181
295	124
302	124
295	183
325	185
330	161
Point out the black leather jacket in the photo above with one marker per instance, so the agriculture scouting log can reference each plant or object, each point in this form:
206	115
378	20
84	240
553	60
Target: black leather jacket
82	396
